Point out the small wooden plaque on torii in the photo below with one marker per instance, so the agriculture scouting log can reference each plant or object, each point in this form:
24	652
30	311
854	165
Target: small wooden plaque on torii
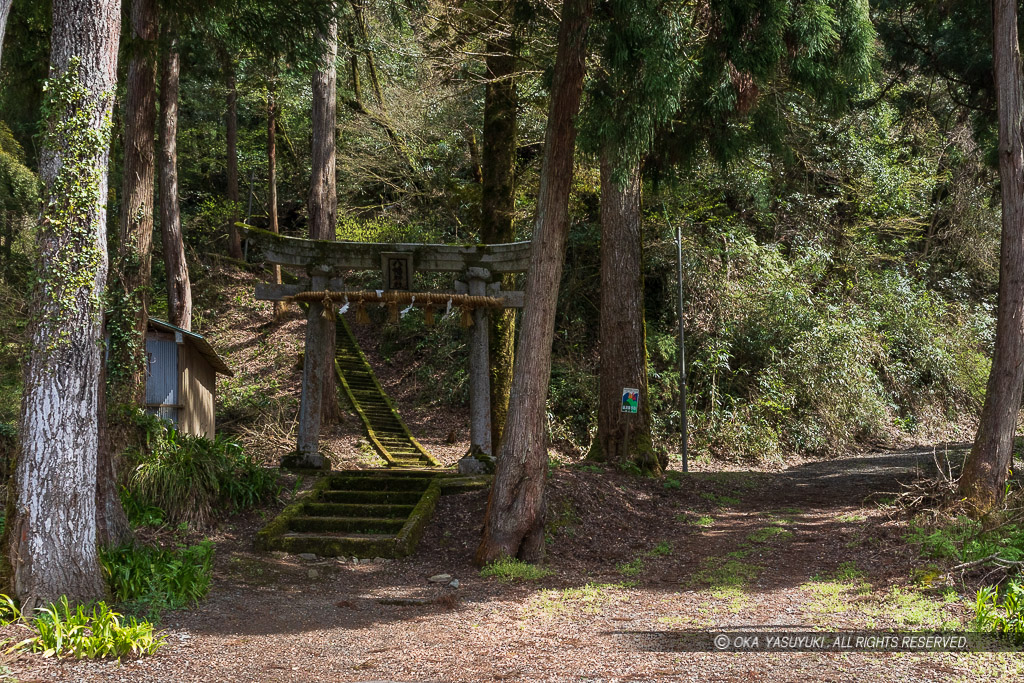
398	270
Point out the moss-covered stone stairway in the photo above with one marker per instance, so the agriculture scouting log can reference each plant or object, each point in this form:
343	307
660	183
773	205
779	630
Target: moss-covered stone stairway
387	433
363	513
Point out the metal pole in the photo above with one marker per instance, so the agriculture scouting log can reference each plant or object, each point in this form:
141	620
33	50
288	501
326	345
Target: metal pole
682	346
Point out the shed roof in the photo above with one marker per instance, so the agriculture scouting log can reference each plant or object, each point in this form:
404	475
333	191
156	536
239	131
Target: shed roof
216	362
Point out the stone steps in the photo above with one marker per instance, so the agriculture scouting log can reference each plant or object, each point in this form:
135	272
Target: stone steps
364	513
386	431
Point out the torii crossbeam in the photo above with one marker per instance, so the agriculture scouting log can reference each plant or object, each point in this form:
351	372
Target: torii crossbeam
325	262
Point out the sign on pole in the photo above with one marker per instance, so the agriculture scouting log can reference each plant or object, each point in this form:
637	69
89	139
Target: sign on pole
630	400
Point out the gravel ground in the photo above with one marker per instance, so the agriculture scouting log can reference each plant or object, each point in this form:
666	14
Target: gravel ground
272	617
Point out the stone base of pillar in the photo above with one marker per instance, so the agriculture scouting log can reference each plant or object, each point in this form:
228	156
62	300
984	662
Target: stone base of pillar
477	462
305	461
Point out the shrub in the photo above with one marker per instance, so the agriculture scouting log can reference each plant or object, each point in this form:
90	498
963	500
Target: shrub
154	579
82	633
185	476
99	633
139	514
1004	617
966	540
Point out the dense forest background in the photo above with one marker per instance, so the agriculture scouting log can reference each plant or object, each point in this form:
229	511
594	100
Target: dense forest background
839	274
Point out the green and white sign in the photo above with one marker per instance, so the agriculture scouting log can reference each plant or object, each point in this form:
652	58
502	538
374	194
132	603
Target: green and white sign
630	400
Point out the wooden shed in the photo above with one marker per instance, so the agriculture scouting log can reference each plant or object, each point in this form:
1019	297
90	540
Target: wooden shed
181	378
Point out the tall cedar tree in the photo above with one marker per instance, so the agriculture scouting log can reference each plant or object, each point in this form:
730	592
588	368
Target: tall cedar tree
179	286
323	190
497	201
230	68
645	80
52	531
131	275
636	92
514	524
135	240
983	481
273	106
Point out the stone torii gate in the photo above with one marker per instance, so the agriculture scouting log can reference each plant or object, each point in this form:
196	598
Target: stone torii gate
324	262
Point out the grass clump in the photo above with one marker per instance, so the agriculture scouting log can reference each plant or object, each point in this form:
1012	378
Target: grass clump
588	597
155	579
965	540
631	568
765	534
835	592
637	564
82	632
186	476
661	550
512	569
728	572
908	607
720	500
1002	614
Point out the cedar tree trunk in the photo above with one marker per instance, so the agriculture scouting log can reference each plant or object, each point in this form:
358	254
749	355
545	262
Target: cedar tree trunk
128	350
52	537
323	192
623	437
984	477
130	281
279	308
498	204
179	288
231	85
514	524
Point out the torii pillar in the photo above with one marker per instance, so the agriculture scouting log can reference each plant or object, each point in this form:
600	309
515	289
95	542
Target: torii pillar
479	367
318	336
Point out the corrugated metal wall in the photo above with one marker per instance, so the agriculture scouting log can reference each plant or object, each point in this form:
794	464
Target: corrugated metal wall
162	378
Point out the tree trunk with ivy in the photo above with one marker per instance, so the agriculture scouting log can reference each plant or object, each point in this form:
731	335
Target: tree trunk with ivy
52	531
179	287
498	205
132	278
983	482
130	282
323	193
514	523
622	437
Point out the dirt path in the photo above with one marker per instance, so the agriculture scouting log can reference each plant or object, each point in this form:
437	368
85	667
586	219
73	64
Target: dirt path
797	548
